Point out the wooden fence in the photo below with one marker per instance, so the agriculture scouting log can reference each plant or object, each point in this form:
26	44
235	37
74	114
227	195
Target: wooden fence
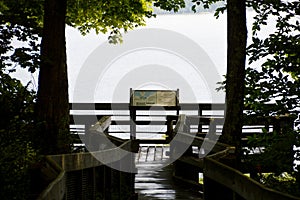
86	114
224	182
213	159
83	176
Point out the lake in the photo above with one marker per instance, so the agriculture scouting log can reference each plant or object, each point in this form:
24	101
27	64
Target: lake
149	68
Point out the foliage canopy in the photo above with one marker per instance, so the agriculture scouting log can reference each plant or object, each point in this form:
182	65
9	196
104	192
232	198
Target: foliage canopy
17	152
277	80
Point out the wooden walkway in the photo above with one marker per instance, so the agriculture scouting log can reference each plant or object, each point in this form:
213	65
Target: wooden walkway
154	181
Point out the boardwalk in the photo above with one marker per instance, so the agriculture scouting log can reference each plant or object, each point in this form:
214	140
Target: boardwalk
154	182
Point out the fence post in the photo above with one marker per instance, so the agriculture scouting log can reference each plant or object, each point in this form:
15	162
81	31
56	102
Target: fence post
200	113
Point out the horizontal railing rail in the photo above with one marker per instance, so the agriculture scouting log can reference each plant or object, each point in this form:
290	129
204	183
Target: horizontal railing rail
86	175
237	182
84	160
156	116
125	106
221	180
87	113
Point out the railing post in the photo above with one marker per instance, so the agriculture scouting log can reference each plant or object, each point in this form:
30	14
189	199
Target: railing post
170	129
212	130
200	114
187	129
132	111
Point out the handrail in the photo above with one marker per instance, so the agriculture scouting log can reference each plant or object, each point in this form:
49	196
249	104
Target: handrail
201	119
74	162
125	106
77	161
238	182
227	176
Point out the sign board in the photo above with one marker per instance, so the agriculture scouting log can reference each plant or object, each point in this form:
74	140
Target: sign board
154	98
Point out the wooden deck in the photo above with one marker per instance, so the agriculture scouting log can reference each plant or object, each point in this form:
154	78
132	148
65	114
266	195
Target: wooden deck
154	181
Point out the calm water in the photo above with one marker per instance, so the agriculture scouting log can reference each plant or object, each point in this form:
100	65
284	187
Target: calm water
203	29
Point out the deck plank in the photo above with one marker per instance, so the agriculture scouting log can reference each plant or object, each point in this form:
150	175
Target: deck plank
153	181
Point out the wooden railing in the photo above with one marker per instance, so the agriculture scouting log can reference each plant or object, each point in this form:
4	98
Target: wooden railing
84	176
81	174
221	180
224	182
85	114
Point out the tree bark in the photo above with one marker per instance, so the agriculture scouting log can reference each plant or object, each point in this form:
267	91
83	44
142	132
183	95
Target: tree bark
52	109
235	78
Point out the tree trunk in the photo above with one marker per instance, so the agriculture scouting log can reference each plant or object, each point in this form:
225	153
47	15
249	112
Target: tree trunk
52	110
236	56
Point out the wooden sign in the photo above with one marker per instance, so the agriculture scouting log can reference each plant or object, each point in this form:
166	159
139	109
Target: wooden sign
154	98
